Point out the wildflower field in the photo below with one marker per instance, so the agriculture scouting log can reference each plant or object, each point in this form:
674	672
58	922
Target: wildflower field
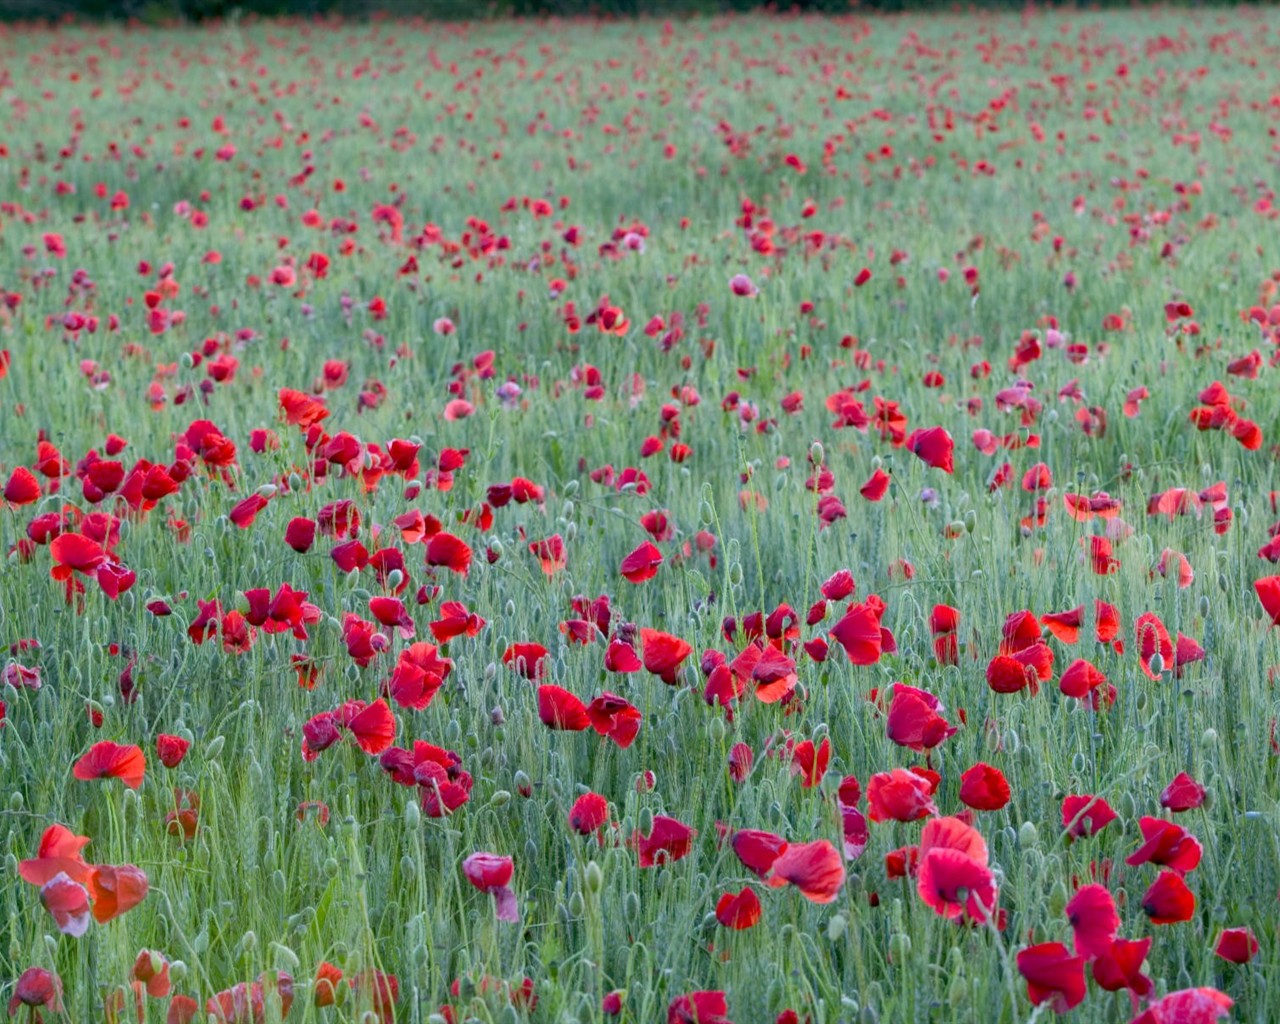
759	519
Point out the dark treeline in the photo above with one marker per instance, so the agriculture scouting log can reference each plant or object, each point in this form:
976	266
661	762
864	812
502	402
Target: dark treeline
162	11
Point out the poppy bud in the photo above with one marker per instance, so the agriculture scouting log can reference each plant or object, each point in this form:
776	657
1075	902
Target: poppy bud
523	784
593	877
187	360
511	608
836	927
1028	836
284	955
706	514
1157	663
631	908
571	531
278	881
958	992
571	488
177	970
817	454
210	555
970	520
330	867
576	905
394	578
1012	741
645	822
248	941
500	798
566	511
716	730
295	482
1058	898
900	946
452	732
735	574
1210	737
15	802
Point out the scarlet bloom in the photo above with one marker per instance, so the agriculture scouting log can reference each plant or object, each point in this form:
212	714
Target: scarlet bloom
859	633
560	709
1237	945
36	987
300	534
663	654
816	869
914	720
899	795
1080	679
444	549
58	853
151	969
491	873
758	850
550	554
528	659
68	903
1187	1006
738	910
107	760
1168	900
933	446
984	788
1086	815
642	564
1120	967
669	839
953	877
1094	921
171	749
1182	794
810	763
588	813
1053	975
1166	844
22	487
614	717
699	1007
325	988
115	889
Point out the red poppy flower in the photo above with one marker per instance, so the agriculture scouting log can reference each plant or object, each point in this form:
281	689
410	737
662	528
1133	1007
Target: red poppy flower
914	720
1094	921
560	709
455	620
739	911
700	1007
877	486
815	868
1053	975
1152	638
491	873
669	839
1080	679
984	788
1006	674
1182	794
642	564
859	633
68	903
1237	945
22	487
325	987
1086	815
1166	844
444	549
115	889
550	554
1168	900
36	986
588	813
151	969
58	853
621	657
527	659
810	763
1120	967
773	674
615	718
171	749
107	760
933	446
758	850
1187	1006
663	654
952	876
899	795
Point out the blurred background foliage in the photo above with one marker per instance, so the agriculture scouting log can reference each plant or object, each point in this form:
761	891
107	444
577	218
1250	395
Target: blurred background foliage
167	11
